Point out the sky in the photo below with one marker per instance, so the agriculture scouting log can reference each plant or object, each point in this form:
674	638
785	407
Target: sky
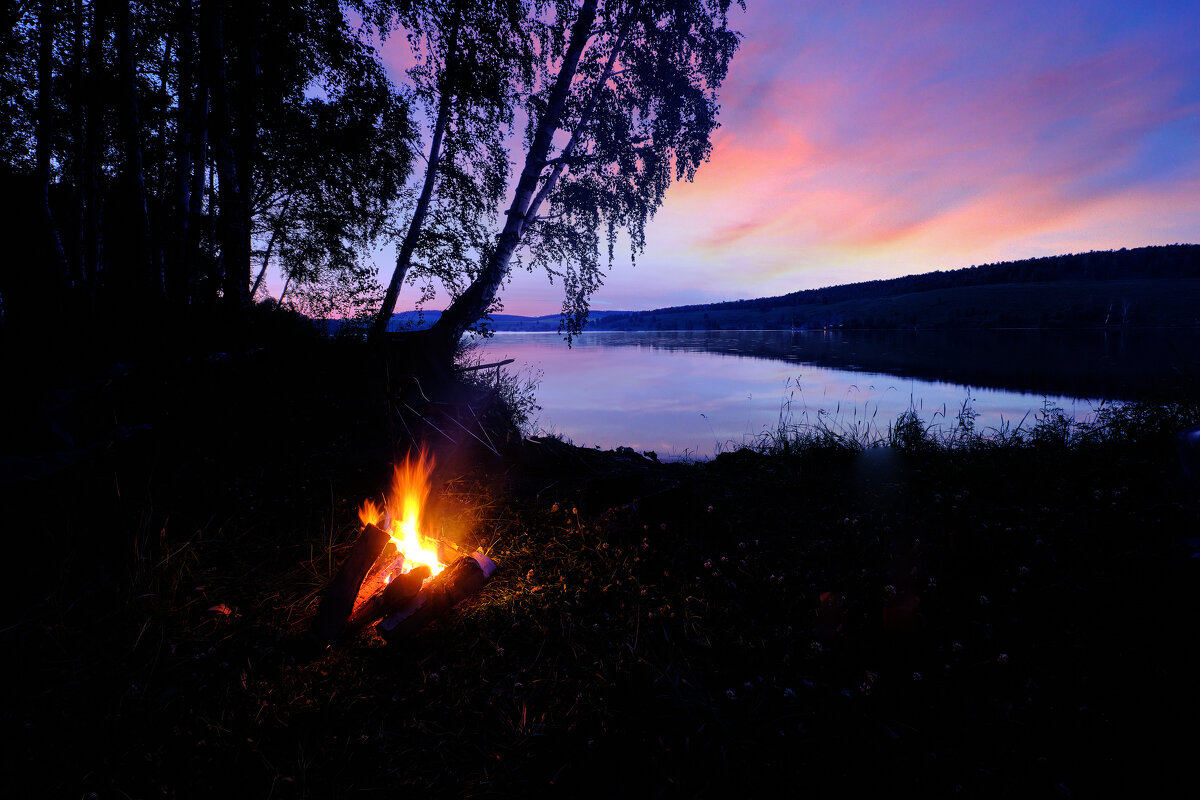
866	140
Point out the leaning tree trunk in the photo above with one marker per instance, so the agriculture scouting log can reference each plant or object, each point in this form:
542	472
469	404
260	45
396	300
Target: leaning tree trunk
404	259
280	221
473	303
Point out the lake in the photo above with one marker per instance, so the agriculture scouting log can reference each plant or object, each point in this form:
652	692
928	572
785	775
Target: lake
690	394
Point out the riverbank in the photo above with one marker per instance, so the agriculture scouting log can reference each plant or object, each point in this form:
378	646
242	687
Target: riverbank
1013	617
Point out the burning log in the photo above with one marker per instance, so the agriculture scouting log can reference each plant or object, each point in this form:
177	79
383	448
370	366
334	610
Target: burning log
390	598
449	588
339	598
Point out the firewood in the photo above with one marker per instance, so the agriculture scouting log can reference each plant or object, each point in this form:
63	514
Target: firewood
388	599
339	597
379	575
450	587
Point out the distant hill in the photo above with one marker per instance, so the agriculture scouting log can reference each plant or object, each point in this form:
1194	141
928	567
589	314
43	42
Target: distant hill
502	322
1146	286
1143	286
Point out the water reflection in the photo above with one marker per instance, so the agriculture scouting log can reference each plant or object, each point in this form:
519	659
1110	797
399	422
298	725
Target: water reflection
693	393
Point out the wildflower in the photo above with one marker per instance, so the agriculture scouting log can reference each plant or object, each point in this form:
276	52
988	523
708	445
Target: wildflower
956	647
916	676
554	507
575	511
729	693
724	560
889	591
1002	658
710	509
643	592
529	575
788	693
932	583
662	527
1023	571
816	647
983	601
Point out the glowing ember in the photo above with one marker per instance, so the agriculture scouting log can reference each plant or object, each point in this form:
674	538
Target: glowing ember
401	516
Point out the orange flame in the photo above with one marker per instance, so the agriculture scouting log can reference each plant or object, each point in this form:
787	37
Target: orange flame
401	515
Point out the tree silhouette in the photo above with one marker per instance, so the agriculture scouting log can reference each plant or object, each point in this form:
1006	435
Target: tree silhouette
149	149
623	101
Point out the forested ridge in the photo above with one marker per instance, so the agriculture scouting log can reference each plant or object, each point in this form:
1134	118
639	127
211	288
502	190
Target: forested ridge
1139	286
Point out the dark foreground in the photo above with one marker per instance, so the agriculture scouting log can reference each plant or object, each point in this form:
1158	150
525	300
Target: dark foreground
1015	620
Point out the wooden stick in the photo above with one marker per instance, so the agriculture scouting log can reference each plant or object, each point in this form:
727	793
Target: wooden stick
343	589
388	599
450	587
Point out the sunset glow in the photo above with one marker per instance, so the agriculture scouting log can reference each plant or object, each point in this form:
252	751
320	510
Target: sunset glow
866	140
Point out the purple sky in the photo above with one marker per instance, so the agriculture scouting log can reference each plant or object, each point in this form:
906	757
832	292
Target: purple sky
865	140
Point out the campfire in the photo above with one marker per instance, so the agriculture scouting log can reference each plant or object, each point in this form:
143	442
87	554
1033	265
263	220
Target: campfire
395	575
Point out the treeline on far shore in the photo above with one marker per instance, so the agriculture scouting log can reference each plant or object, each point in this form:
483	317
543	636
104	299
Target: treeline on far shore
1146	286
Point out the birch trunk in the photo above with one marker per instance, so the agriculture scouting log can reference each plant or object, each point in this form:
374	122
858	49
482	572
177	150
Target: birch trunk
279	223
473	303
404	259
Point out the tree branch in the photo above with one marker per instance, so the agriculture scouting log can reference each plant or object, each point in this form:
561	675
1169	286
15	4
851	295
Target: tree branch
560	163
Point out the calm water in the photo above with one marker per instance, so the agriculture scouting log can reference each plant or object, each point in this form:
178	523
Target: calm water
697	393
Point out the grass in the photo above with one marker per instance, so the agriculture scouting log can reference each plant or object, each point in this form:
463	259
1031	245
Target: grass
980	613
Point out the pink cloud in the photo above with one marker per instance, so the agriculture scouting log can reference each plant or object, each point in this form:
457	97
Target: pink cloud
869	139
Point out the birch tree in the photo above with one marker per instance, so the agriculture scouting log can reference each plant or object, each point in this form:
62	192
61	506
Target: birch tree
624	103
474	61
